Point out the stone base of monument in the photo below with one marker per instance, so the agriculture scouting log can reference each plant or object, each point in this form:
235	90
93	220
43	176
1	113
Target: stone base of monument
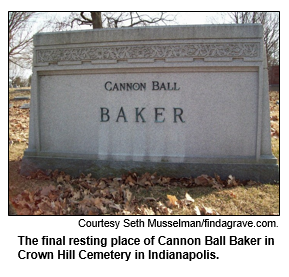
177	100
266	170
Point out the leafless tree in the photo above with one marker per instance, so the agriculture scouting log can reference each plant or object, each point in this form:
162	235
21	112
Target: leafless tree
270	22
94	19
121	19
20	38
21	31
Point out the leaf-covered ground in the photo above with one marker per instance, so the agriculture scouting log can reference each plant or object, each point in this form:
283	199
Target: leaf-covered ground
56	193
274	120
120	196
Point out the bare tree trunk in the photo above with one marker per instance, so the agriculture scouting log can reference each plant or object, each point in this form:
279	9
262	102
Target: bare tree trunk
96	20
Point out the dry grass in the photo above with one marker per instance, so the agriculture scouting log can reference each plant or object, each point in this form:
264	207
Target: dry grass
260	199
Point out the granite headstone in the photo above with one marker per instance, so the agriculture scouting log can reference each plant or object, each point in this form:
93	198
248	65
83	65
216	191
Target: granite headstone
177	100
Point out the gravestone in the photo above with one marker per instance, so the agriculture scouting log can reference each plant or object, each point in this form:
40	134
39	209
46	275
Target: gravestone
178	100
25	106
22	90
20	98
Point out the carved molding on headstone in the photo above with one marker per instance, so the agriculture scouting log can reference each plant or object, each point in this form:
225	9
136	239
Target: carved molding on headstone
192	50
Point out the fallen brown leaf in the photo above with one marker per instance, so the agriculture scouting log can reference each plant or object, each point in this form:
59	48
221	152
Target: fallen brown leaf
172	201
